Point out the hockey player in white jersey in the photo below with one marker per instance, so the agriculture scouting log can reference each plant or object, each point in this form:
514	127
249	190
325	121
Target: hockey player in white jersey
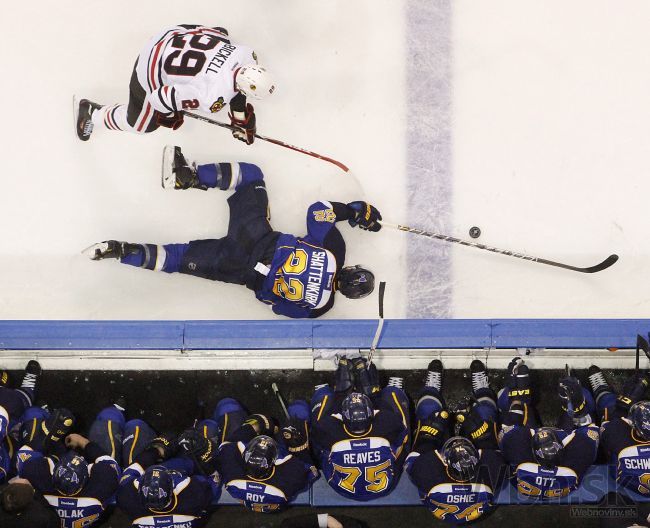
184	67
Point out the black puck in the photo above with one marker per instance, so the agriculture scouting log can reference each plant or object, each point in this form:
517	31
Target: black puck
474	232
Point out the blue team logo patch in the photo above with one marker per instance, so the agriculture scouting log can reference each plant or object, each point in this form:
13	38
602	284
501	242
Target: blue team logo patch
460	489
253	486
643	450
360	444
68	502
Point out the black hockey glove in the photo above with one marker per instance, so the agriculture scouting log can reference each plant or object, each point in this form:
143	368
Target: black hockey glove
518	381
633	391
173	120
246	124
432	432
165	444
572	397
365	216
199	448
55	428
344	378
481	432
262	425
367	378
296	436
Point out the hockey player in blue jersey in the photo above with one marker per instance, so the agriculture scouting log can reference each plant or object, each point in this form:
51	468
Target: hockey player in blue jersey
297	276
625	428
360	432
547	462
170	481
13	403
79	482
457	476
262	469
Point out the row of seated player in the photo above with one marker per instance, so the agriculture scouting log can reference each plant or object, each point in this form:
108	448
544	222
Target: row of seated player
358	434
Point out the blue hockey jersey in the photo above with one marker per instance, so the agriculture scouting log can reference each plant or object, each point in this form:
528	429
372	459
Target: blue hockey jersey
629	455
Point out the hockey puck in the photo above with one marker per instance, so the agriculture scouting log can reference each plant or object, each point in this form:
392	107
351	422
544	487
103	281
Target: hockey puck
474	232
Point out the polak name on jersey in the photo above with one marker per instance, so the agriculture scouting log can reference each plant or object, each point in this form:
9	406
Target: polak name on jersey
220	58
71	510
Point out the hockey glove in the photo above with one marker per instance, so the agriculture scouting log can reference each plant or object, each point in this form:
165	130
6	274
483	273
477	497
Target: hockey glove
165	444
367	378
295	436
365	216
432	432
199	448
173	120
633	391
518	381
572	397
263	425
55	428
343	379
246	124
481	432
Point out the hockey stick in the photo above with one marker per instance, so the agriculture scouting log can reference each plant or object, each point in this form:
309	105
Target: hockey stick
270	140
641	344
609	261
380	325
280	398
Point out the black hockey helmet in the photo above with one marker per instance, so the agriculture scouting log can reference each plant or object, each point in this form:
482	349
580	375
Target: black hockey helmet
260	456
357	412
547	447
639	415
156	488
461	458
70	474
355	282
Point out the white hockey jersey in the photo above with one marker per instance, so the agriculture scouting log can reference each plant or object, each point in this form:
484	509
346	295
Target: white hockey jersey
190	68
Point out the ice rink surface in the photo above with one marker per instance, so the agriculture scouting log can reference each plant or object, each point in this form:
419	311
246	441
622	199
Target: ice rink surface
528	119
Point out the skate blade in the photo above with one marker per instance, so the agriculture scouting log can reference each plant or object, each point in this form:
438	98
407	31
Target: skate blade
75	115
168	178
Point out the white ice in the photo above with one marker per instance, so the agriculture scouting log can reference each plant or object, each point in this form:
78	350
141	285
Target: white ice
549	142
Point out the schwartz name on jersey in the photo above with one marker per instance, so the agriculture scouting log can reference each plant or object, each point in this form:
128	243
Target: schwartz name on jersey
629	455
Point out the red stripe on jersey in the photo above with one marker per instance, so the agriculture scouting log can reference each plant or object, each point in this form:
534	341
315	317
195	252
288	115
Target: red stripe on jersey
144	119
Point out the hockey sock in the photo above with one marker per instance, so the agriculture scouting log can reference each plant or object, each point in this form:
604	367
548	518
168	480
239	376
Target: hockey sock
112	117
227	176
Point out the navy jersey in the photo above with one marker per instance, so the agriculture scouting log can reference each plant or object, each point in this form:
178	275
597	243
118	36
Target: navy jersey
300	282
448	499
84	508
536	481
362	467
290	476
629	455
188	509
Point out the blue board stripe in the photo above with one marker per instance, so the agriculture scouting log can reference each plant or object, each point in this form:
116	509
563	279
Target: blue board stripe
326	334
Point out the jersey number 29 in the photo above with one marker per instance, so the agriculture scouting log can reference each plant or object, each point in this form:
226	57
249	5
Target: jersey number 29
192	60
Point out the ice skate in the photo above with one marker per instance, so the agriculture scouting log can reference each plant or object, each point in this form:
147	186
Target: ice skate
177	172
84	110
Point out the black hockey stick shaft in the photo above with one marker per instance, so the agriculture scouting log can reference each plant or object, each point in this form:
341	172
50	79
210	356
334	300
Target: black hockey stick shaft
270	140
281	400
641	344
380	324
609	261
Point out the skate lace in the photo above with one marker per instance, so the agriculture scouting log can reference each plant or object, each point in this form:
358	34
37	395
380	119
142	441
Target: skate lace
597	380
434	379
396	382
479	381
29	381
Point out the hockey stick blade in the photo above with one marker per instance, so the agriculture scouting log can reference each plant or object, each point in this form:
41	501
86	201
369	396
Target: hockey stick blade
609	261
340	165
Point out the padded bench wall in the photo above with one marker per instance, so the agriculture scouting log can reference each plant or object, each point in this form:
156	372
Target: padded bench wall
326	334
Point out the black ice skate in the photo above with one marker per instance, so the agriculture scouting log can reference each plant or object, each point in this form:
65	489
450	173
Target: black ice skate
110	249
480	383
83	118
177	173
597	382
434	375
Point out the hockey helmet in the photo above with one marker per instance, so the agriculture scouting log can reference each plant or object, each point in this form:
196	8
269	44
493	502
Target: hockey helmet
547	447
357	412
639	415
70	474
156	488
355	282
254	81
260	456
461	458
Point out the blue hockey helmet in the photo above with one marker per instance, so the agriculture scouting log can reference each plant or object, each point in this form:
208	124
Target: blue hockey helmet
70	474
461	458
639	415
547	447
156	488
260	456
357	412
355	282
